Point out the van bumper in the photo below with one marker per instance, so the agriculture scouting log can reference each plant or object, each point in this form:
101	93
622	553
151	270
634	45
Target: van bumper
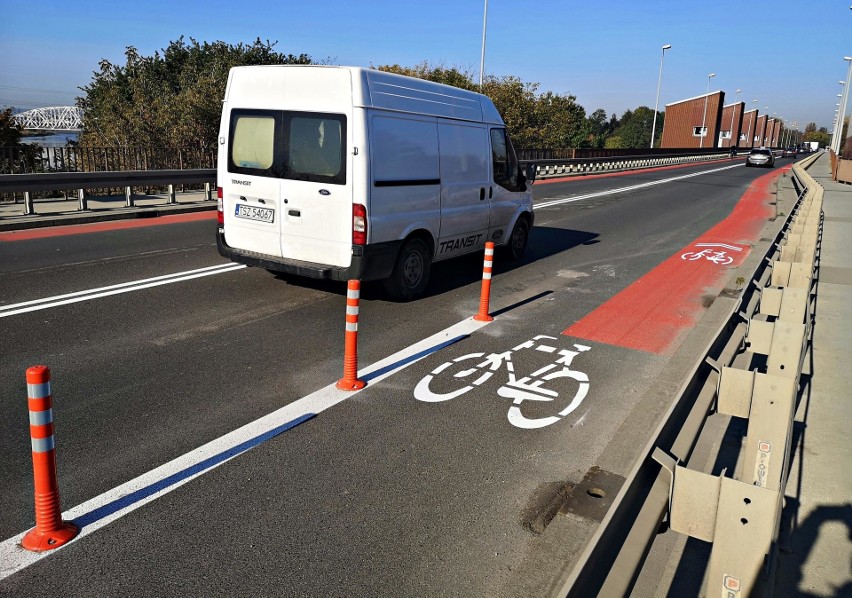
369	262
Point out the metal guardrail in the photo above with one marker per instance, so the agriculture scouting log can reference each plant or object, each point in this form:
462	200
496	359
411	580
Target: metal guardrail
741	517
81	181
127	179
582	166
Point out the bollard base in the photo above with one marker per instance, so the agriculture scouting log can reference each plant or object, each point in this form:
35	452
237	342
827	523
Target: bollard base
40	541
344	384
483	318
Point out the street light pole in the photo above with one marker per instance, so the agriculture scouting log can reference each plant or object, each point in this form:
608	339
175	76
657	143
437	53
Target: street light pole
482	56
704	118
843	105
834	132
657	103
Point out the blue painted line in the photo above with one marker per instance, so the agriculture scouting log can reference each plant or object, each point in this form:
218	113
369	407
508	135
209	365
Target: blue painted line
142	493
415	357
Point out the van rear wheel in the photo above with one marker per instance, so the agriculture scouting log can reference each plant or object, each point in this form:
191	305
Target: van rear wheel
411	271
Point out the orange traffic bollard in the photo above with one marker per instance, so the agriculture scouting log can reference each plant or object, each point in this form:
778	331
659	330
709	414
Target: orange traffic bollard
485	295
350	379
50	531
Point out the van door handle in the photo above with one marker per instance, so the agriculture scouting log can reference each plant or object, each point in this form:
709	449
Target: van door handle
294	212
490	192
481	193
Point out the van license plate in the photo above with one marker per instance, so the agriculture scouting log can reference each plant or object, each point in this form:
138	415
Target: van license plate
254	213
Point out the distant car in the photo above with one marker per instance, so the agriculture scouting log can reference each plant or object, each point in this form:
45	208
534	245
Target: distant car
790	152
761	156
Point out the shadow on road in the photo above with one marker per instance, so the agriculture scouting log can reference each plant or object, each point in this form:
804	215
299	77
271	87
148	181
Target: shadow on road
545	241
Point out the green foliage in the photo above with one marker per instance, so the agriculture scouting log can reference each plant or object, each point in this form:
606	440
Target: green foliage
173	98
546	120
10	131
634	128
811	128
824	139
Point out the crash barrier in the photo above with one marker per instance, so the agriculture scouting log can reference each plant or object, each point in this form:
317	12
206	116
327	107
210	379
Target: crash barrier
50	531
741	516
581	166
83	181
485	293
770	326
350	379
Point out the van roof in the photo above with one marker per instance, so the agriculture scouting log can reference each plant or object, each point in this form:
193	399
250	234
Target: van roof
371	88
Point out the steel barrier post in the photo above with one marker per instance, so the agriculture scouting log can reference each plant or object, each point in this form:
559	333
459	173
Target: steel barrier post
29	207
81	196
350	379
485	294
172	198
50	531
128	196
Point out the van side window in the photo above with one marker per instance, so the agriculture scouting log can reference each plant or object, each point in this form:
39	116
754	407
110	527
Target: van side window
252	141
505	161
314	147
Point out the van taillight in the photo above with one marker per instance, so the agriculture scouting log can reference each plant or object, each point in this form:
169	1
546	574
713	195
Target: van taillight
220	208
359	224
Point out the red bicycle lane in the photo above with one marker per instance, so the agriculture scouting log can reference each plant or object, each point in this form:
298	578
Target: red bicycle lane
654	313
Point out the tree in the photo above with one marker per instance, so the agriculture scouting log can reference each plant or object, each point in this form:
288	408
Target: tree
810	128
597	129
634	129
10	131
547	120
822	138
173	98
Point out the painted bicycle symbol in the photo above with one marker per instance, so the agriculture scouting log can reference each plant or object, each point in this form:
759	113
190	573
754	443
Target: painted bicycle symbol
712	252
520	389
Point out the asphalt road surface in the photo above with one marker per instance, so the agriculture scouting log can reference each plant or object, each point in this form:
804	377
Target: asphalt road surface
423	483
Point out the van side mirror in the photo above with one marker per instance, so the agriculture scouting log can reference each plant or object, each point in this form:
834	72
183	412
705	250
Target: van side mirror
530	172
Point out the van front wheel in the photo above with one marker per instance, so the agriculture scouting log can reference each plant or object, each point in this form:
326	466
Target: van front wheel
519	239
411	271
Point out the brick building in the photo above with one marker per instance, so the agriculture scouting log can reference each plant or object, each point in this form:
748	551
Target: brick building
760	131
683	123
748	128
731	124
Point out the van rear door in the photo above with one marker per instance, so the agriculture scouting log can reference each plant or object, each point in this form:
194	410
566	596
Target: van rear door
288	193
316	188
250	191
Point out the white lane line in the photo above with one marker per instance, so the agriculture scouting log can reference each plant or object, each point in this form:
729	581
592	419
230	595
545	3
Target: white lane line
563	200
116	289
113	504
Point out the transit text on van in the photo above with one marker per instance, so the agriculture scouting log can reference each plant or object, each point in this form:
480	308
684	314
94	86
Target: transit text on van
455	244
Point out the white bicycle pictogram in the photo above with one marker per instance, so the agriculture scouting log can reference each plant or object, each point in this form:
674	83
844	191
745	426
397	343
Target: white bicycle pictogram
717	257
526	388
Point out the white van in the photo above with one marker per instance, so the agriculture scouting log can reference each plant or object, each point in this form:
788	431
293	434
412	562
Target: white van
351	173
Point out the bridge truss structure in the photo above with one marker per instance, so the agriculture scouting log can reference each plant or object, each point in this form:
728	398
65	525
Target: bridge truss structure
54	118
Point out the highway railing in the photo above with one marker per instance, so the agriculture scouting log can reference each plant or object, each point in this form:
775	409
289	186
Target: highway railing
84	181
567	167
740	515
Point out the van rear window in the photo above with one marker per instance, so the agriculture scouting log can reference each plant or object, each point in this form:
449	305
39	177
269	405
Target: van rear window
305	146
252	142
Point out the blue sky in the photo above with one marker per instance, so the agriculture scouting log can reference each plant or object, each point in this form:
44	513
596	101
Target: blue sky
787	54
